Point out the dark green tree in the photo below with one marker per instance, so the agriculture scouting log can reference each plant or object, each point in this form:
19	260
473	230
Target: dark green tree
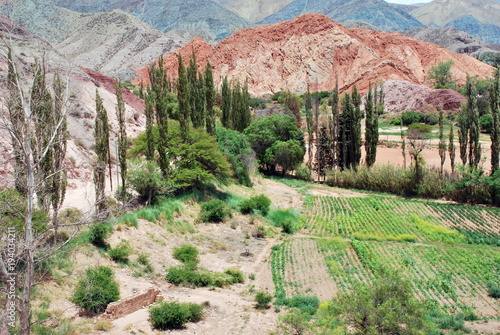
324	159
150	119
244	108
495	128
236	103
196	93
101	135
451	148
183	98
158	95
371	129
473	116
356	127
442	141
463	132
287	155
334	128
209	99
122	135
264	132
310	127
349	141
226	104
293	104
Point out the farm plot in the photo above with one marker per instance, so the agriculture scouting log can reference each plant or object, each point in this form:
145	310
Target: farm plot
449	252
393	219
453	276
298	268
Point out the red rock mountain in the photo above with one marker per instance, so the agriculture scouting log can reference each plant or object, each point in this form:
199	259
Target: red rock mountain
314	49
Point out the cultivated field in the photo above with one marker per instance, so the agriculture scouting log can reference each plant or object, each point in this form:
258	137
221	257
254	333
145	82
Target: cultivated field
449	252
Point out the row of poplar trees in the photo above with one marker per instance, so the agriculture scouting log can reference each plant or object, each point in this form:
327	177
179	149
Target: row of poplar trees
190	99
339	141
469	127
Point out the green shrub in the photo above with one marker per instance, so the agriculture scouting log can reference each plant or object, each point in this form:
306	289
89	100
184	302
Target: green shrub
493	290
120	253
173	315
259	202
307	304
410	117
286	219
303	172
236	275
96	289
98	234
214	210
178	275
186	253
420	127
263	299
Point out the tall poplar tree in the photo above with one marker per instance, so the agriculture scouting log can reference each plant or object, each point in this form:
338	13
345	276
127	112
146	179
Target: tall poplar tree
495	129
158	95
101	135
226	104
310	127
122	135
209	99
451	148
442	141
355	119
183	98
335	120
463	132
473	116
371	129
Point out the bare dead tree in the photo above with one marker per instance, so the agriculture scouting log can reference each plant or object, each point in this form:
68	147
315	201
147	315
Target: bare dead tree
32	157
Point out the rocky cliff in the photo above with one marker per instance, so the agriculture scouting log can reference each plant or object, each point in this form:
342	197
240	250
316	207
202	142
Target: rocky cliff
313	49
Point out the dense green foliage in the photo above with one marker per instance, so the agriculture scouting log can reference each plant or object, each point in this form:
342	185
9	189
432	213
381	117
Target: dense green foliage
274	136
187	254
237	149
194	164
145	177
101	135
98	233
257	203
387	306
263	299
174	315
214	210
13	209
96	289
120	253
410	117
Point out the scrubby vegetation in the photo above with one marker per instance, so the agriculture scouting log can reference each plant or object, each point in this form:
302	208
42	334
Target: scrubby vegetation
259	203
214	210
96	289
174	315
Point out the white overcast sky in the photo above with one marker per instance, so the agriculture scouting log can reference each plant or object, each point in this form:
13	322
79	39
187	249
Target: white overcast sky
408	2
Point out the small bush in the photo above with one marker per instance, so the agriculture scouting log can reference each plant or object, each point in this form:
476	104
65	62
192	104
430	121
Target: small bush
493	290
303	172
307	304
98	234
96	290
214	210
173	315
260	203
236	275
186	253
120	253
263	299
178	275
420	127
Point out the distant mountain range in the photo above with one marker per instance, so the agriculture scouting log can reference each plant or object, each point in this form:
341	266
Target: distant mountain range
375	12
205	17
480	18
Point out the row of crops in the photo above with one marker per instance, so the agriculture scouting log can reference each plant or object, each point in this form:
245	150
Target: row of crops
449	252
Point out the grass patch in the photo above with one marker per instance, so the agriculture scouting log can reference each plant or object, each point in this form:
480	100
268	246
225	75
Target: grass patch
437	233
286	219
